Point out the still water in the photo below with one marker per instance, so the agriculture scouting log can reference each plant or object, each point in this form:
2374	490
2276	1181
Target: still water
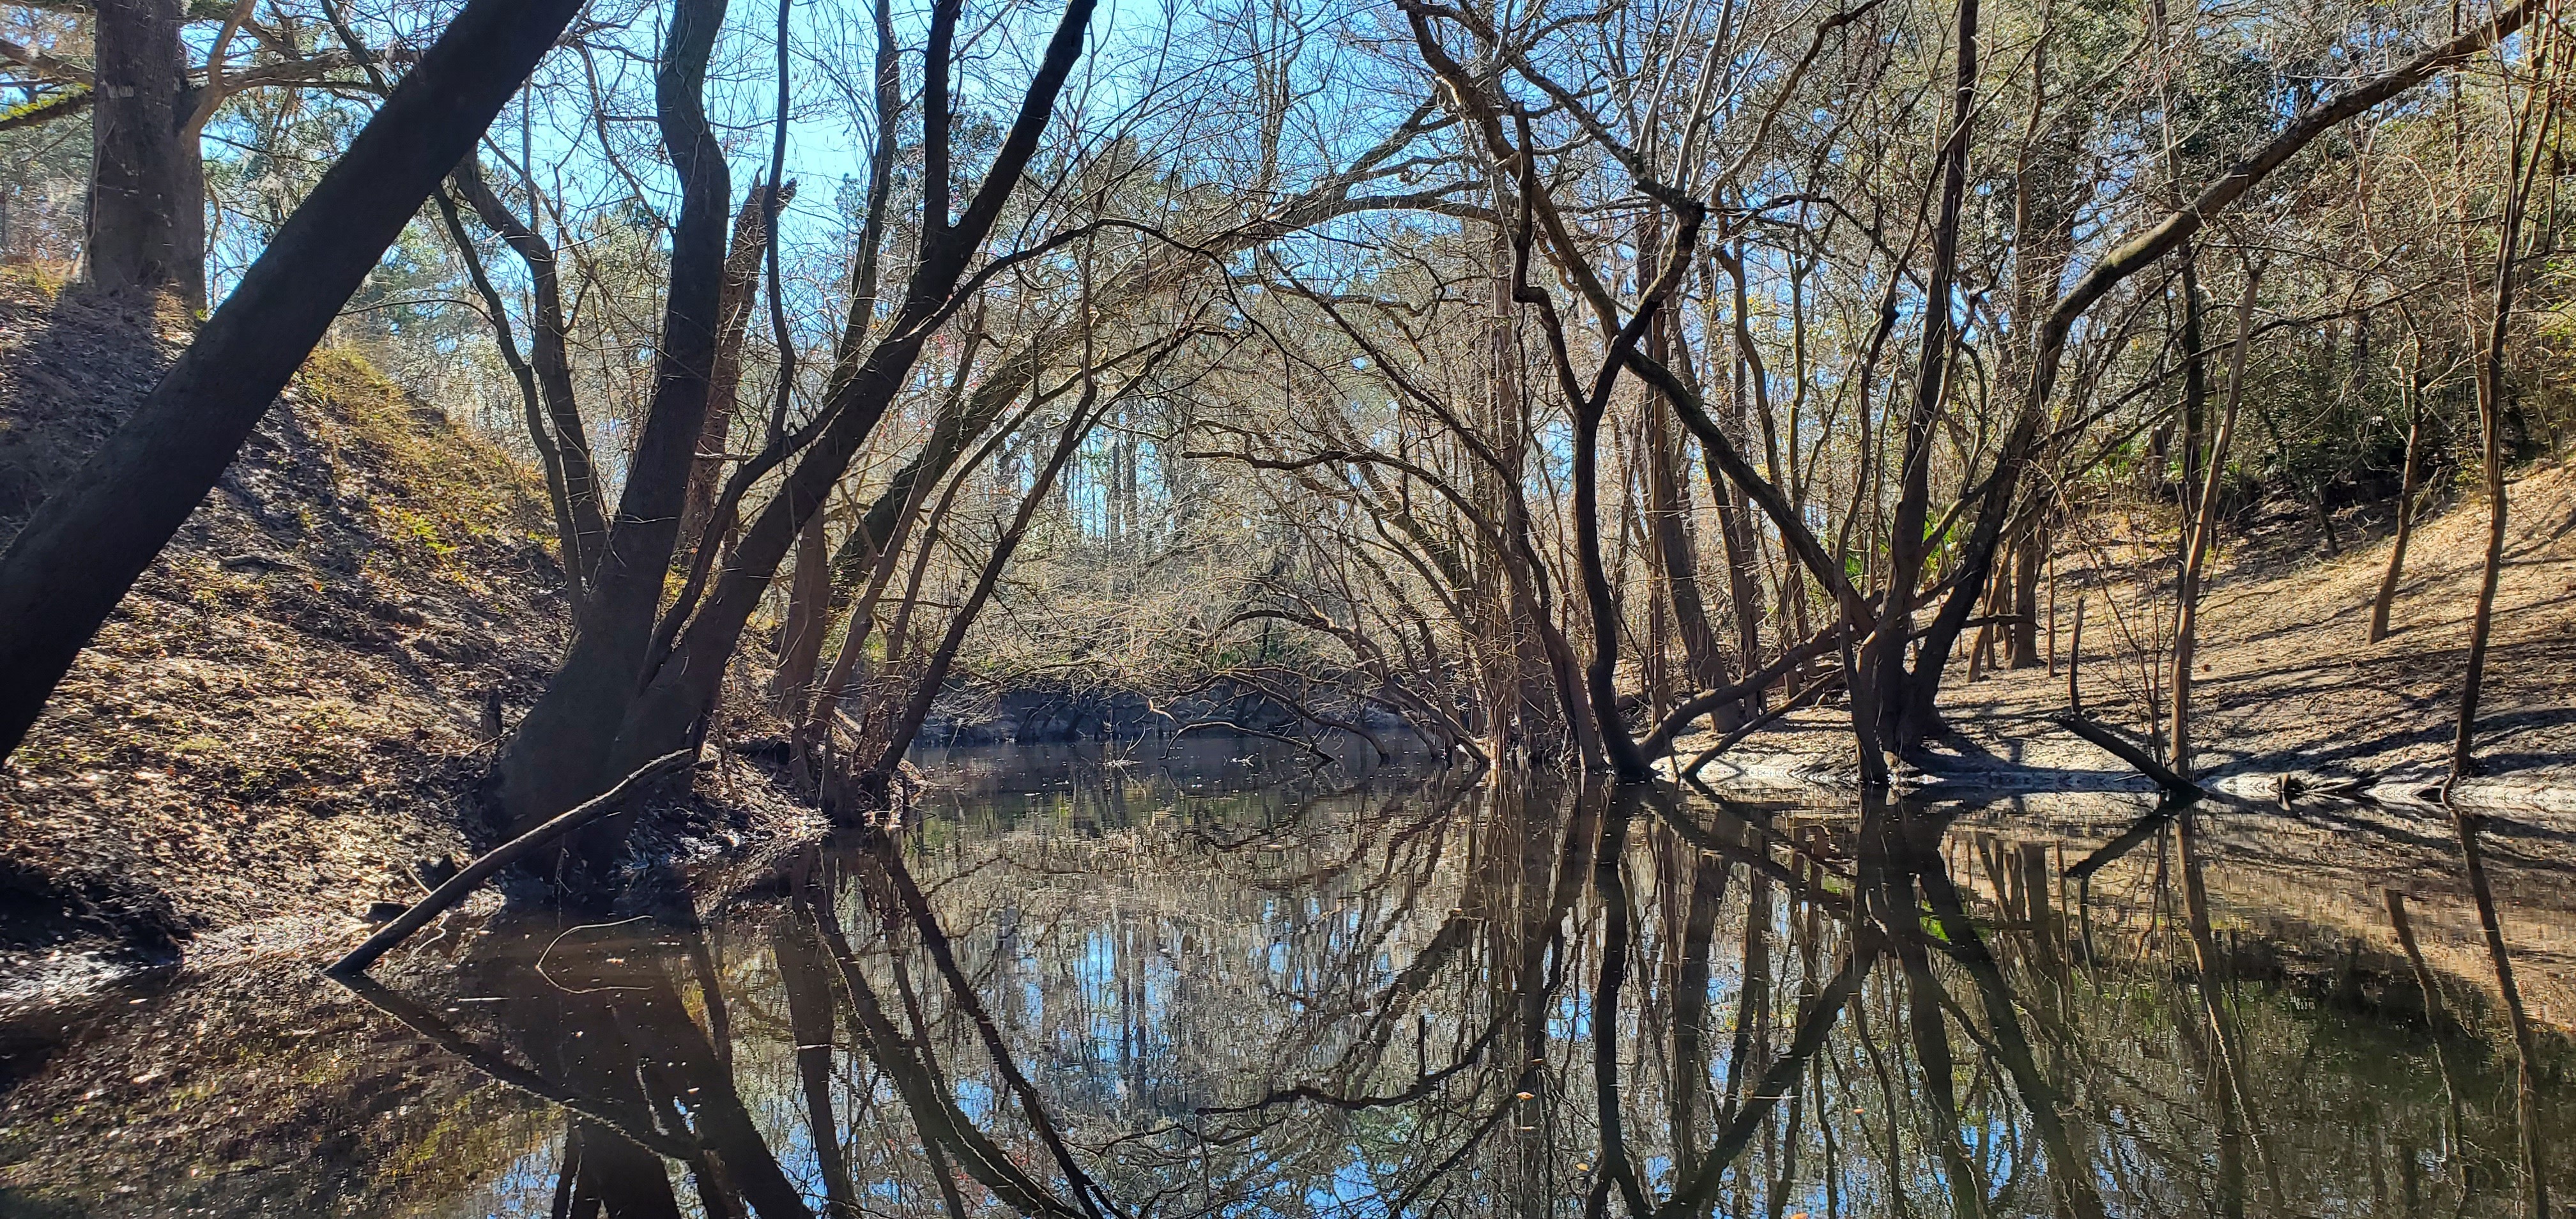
1224	984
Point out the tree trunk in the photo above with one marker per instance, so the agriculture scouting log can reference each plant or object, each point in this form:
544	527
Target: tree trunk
934	674
733	321
1735	530
1588	406
2194	410
2529	134
2044	219
541	434
885	524
550	359
2022	633
862	617
2203	517
2482	620
147	225
1667	516
188	215
800	639
2406	486
678	690
71	564
1601	674
1884	688
561	753
1743	541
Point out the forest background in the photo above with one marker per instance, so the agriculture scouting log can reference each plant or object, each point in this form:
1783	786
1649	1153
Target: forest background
1540	386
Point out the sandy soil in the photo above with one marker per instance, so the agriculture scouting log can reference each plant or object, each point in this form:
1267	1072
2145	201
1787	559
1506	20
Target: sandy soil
2288	683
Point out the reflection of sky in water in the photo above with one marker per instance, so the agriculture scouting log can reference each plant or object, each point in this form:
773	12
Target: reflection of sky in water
1154	967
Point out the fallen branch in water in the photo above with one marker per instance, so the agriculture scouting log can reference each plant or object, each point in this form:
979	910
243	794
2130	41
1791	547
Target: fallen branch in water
1660	741
502	856
421	1020
1321	758
2111	742
2138	832
1805	698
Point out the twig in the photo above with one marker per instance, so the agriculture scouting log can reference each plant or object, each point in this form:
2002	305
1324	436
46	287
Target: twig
499	857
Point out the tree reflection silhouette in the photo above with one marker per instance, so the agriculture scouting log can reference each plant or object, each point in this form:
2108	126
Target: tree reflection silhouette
1500	999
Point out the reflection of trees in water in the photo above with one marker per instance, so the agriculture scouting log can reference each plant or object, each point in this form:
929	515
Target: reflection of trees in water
1489	1001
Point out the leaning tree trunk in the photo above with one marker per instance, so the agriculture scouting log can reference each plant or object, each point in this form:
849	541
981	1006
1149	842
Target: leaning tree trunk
71	564
147	185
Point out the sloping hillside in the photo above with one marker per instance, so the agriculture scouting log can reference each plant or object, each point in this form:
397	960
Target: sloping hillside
2288	682
284	714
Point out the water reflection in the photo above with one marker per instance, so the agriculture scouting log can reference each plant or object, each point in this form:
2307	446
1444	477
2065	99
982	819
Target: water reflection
1104	999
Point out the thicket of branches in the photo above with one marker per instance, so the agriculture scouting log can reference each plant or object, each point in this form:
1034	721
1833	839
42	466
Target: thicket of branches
1528	381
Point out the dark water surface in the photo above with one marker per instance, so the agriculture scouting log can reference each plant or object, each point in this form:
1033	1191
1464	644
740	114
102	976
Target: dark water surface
1230	986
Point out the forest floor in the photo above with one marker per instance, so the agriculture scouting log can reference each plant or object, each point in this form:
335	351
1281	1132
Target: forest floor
284	717
2287	683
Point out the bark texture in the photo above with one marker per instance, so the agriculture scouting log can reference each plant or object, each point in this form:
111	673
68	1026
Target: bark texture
147	227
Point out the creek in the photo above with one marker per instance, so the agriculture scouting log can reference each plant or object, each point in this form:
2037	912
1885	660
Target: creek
1217	981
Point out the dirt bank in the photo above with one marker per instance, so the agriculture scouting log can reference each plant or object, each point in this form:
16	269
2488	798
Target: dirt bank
2288	682
285	715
